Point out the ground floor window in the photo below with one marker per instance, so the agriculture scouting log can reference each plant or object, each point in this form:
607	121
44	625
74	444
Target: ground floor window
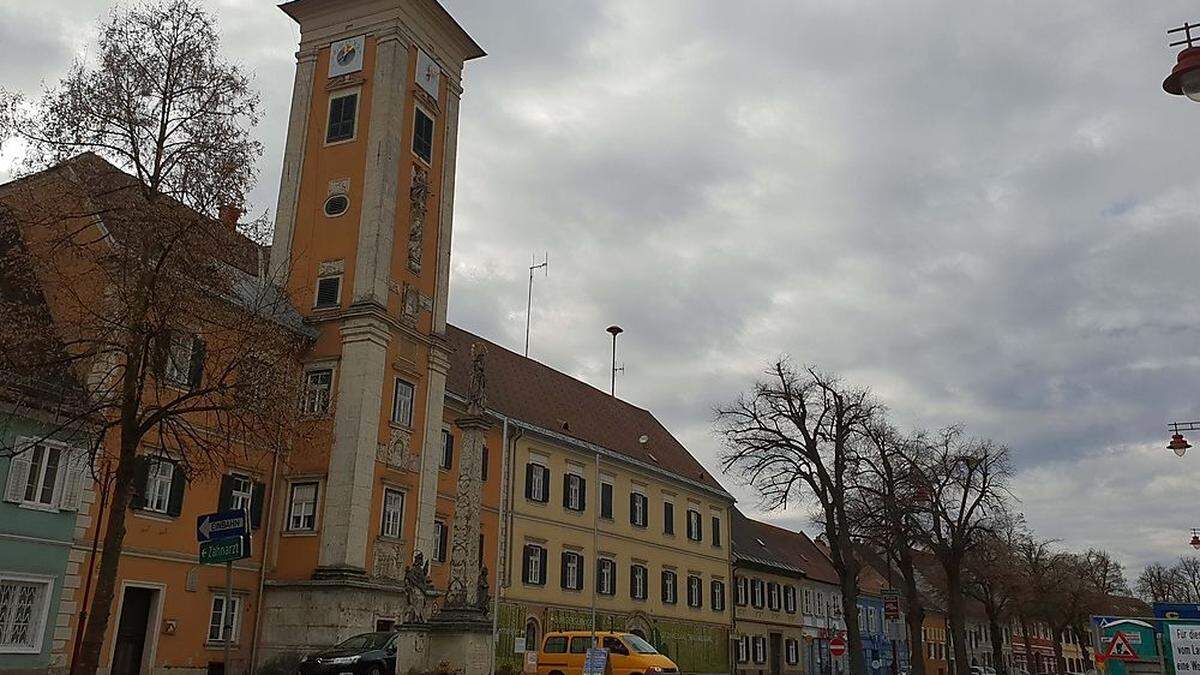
217	618
23	604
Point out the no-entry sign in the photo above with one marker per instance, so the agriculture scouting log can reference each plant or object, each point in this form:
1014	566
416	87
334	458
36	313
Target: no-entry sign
837	646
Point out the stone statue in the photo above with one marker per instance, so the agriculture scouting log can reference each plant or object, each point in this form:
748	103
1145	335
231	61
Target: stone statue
477	387
418	587
418	197
482	596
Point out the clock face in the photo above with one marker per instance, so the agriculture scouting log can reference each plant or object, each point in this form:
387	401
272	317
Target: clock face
346	53
346	56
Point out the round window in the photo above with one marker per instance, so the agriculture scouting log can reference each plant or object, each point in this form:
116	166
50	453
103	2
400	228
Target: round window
336	205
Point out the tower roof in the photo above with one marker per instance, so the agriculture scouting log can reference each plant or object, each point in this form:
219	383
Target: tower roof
301	10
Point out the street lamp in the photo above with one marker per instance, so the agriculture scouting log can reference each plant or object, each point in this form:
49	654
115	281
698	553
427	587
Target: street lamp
1195	542
1179	444
1185	76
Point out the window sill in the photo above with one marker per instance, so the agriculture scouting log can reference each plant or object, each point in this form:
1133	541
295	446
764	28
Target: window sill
212	645
400	426
326	308
158	516
298	533
37	506
341	141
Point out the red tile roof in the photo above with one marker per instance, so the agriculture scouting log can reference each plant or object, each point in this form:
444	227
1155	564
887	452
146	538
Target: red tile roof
757	542
538	395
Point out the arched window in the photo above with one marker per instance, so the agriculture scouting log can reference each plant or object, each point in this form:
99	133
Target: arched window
531	635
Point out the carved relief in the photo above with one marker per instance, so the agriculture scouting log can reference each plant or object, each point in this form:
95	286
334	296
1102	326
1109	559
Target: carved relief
410	301
331	267
397	452
418	198
340	186
389	560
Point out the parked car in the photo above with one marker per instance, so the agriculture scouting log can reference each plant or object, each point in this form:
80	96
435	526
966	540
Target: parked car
365	654
563	652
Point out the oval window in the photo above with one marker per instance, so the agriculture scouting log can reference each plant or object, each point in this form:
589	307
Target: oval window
336	205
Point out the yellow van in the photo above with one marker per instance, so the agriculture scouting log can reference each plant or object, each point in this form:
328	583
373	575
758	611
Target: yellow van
562	653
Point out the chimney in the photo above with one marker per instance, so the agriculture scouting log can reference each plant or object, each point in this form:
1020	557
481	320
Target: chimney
229	215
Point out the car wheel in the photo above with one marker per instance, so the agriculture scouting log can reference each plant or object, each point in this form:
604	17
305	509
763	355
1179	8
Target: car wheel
375	670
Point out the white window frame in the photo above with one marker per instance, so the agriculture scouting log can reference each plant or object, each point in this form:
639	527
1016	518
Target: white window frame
241	499
399	414
574	570
743	649
537	575
439	554
337	302
695	529
741	591
538	485
606	572
759	647
38	482
37	632
340	93
574	489
638	576
671	588
446	461
312	402
432	139
158	486
718	599
235	626
698	589
639	511
291	511
391	519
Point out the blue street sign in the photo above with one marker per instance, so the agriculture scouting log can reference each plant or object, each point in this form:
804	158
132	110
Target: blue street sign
221	525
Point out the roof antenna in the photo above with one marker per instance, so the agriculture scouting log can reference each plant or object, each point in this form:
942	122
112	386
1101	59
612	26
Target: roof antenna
544	265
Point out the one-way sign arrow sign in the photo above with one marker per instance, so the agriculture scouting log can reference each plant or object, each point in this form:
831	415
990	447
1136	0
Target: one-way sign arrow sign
221	525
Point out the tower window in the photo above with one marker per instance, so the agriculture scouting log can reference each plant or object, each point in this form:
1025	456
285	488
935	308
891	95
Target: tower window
422	143
329	290
343	114
336	205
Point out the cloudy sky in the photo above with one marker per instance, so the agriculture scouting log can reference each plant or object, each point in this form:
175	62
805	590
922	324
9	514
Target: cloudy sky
986	212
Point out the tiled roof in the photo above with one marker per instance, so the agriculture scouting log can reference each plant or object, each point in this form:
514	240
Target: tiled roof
538	395
757	542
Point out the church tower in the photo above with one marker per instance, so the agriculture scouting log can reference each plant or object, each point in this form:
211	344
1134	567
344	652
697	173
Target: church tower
362	245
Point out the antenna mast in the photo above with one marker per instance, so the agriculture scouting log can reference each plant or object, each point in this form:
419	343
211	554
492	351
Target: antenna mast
545	266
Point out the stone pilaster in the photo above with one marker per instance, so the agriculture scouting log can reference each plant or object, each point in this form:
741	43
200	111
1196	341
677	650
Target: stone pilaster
446	209
431	449
385	142
348	489
293	164
463	590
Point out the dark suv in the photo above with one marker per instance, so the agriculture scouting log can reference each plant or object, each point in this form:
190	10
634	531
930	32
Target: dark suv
366	654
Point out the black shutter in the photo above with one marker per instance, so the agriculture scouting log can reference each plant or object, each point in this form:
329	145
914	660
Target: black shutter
225	497
525	563
606	500
141	473
483	465
632	587
448	451
542	560
545	485
612	572
582	493
567	491
716	531
158	353
196	367
562	570
633	508
668	518
663	578
442	543
529	481
175	505
257	497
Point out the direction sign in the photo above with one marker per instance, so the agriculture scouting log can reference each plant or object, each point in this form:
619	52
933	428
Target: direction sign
224	550
837	646
595	661
221	525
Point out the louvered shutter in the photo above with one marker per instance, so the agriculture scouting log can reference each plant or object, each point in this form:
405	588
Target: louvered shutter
562	570
525	564
542	559
178	484
582	493
545	485
256	505
18	476
633	508
158	352
529	468
225	496
443	536
566	491
141	473
74	475
196	367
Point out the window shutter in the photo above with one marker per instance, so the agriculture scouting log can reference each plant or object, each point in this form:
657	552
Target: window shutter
73	477
668	518
529	481
196	367
542	560
141	472
178	482
18	476
442	537
606	500
633	508
225	496
483	465
562	569
257	497
545	485
567	490
632	576
582	493
716	531
525	564
158	352
612	570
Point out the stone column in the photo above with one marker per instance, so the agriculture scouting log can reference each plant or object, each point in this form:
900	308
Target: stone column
349	486
463	590
431	448
293	165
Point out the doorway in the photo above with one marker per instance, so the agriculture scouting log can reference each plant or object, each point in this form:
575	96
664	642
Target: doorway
776	657
131	646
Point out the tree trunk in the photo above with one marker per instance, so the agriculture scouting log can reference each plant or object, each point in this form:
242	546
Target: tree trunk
1085	646
106	577
997	641
854	644
914	616
958	628
1059	665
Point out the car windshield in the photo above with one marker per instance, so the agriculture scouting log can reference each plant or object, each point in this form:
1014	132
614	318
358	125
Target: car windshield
639	645
366	641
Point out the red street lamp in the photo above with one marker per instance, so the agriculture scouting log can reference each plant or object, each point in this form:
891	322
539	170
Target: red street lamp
1179	444
1185	76
1195	539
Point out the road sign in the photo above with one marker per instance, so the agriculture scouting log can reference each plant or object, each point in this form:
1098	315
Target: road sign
595	661
891	604
530	666
224	550
1120	649
837	646
221	525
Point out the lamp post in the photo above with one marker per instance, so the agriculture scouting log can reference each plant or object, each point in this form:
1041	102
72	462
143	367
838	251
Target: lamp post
1179	445
614	330
1195	542
1184	79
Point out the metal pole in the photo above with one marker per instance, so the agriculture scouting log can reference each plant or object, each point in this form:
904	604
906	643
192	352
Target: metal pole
528	310
227	628
596	540
614	330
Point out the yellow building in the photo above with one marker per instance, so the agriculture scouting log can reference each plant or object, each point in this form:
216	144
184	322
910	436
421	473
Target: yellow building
602	508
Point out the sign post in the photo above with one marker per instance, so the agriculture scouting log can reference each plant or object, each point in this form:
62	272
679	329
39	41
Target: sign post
224	537
837	646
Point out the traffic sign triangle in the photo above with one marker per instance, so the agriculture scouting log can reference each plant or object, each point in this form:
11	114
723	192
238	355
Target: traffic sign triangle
1120	648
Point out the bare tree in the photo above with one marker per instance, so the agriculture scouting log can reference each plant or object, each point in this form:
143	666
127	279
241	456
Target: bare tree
797	437
884	503
183	348
1187	572
966	481
991	576
1160	583
1035	560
